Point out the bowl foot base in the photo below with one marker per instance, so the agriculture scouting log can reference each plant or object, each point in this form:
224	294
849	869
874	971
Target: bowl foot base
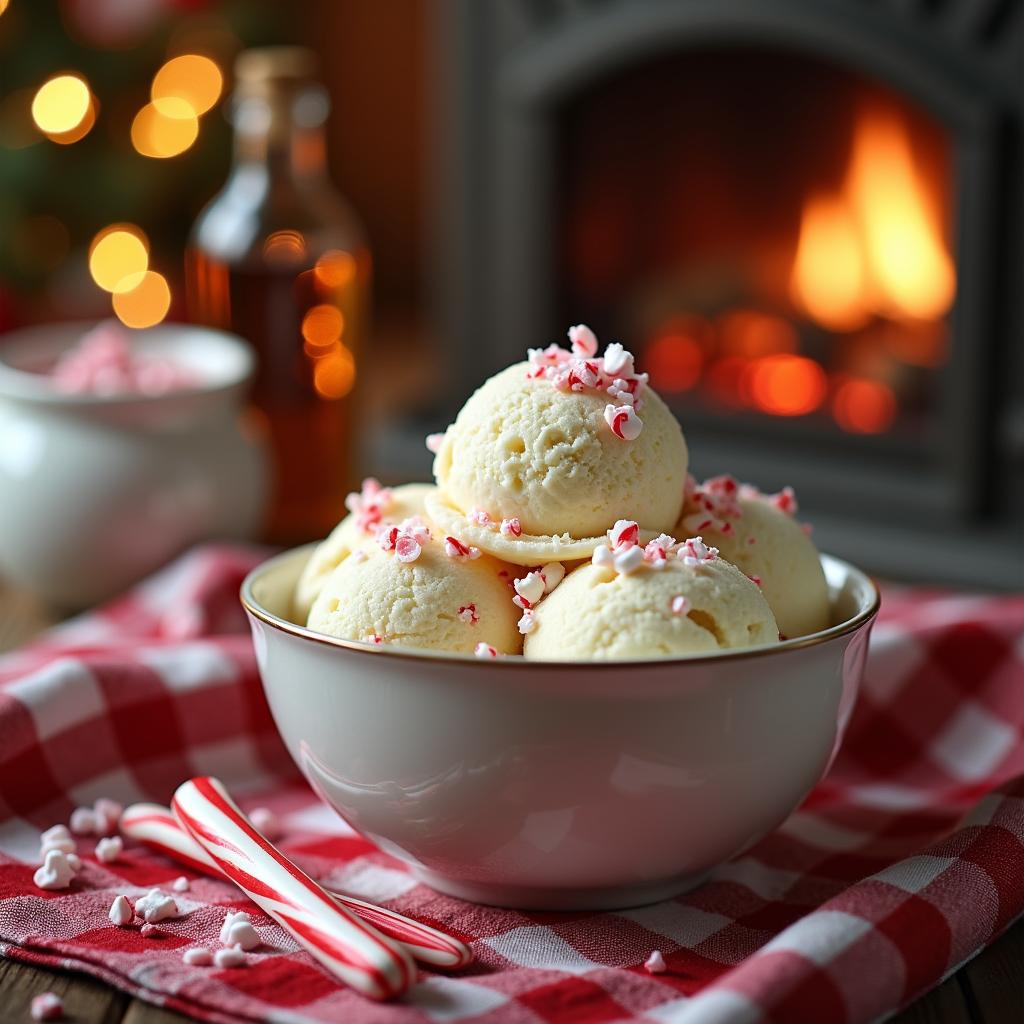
522	897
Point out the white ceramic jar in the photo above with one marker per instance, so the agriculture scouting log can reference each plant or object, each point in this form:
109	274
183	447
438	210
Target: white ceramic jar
97	491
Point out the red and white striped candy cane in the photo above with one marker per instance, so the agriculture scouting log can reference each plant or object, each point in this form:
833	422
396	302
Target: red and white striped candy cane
156	826
351	949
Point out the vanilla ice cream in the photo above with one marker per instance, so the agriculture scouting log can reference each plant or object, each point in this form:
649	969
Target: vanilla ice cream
370	508
758	533
628	609
422	593
547	454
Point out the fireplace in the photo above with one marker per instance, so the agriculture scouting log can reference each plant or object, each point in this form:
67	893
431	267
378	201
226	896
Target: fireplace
804	216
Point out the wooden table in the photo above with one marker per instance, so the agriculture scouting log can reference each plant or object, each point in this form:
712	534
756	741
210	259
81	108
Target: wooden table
989	990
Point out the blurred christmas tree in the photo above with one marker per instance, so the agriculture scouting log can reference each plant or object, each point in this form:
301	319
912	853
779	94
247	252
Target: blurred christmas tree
100	126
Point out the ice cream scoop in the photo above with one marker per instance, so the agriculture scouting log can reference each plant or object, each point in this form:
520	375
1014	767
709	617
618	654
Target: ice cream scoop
758	533
369	509
420	591
661	600
561	446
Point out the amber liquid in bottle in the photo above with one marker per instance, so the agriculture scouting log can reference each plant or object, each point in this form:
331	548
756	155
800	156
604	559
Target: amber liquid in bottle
279	258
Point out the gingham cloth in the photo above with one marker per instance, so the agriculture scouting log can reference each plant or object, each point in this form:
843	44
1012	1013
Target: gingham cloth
903	863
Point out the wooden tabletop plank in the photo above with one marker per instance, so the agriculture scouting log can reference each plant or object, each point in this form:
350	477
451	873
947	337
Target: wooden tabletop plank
994	979
85	999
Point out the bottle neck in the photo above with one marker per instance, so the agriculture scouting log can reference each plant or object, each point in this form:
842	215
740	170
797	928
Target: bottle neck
267	138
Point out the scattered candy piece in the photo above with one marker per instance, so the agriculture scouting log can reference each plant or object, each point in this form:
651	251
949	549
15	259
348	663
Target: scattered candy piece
180	884
242	935
406	539
552	574
197	956
696	552
75	861
468	613
680	605
527	623
483	650
434	442
121	911
583	340
454	548
373	638
265	820
624	533
56	833
479	517
108	813
229	957
655	963
83	821
529	590
47	1006
624	421
149	931
108	850
511	527
231	918
55	873
156	906
369	504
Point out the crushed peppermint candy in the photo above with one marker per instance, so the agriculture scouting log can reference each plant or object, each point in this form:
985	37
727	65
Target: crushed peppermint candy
655	963
83	821
581	369
455	548
121	911
56	871
483	650
624	560
527	622
657	552
511	527
756	580
369	504
552	574
712	505
434	442
150	931
468	613
47	1006
180	884
478	517
406	539
197	956
695	552
230	957
680	605
155	906
784	500
373	638
108	813
109	849
529	590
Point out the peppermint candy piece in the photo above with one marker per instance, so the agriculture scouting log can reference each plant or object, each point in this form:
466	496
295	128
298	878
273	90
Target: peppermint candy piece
527	622
454	548
624	421
624	533
695	552
583	341
680	605
121	911
511	527
483	650
529	590
553	573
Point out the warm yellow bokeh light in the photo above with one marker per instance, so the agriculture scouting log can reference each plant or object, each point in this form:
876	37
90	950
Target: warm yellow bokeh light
192	78
4	5
118	254
334	374
79	131
335	268
61	104
144	304
323	325
166	131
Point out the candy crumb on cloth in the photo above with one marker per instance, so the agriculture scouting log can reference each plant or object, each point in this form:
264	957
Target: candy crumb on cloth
55	873
156	906
109	849
230	957
655	963
197	956
47	1006
121	911
180	884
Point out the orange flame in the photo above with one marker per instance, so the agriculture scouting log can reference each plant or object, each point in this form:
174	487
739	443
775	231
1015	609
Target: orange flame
877	247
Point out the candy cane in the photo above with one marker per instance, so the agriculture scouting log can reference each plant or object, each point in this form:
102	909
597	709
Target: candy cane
155	826
350	948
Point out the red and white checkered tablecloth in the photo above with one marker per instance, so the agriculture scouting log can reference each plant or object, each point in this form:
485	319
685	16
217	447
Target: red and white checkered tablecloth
903	863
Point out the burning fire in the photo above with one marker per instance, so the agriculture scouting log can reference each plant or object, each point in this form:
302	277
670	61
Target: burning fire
876	248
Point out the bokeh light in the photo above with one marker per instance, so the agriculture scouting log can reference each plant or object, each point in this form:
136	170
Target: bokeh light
335	373
145	301
191	78
674	361
787	385
165	131
4	4
61	106
283	247
322	326
862	406
118	255
335	269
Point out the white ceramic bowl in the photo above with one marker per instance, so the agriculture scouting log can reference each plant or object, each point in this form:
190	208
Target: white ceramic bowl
97	491
556	785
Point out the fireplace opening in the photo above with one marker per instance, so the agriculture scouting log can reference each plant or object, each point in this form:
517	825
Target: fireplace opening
773	233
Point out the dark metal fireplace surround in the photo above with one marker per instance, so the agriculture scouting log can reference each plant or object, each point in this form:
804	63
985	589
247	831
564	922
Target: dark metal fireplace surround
950	510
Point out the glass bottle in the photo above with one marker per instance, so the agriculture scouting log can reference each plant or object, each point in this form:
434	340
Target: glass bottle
279	257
